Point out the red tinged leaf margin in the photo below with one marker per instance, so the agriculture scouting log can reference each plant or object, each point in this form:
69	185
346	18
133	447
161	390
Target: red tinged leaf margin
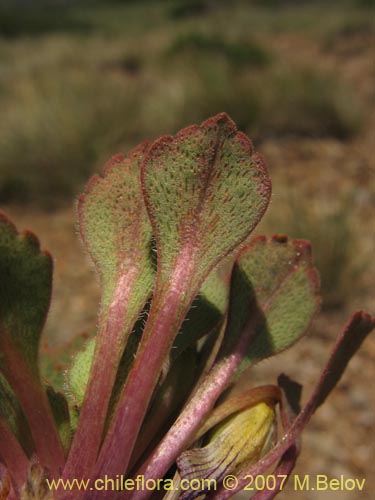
116	231
282	289
205	190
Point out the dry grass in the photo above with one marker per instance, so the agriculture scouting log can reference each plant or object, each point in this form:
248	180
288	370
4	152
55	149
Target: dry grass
104	78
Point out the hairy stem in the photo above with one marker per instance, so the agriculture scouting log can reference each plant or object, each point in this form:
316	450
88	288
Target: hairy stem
195	412
111	340
166	316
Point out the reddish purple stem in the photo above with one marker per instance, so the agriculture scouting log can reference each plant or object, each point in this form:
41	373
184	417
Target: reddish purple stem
12	455
346	345
35	405
165	318
197	409
284	468
110	342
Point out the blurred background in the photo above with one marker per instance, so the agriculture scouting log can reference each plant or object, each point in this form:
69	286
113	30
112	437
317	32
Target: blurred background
83	80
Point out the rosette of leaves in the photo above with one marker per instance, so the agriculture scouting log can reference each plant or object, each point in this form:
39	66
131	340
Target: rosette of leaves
189	301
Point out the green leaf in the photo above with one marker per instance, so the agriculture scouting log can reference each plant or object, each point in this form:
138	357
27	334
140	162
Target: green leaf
60	412
11	411
266	269
205	190
79	371
25	290
116	231
206	313
54	361
275	294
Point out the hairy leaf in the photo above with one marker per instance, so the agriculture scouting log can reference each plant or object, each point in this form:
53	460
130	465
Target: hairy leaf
25	290
55	360
116	231
79	371
77	374
117	234
206	313
281	274
205	190
275	289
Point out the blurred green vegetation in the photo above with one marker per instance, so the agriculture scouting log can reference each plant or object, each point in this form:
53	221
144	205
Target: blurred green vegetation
82	80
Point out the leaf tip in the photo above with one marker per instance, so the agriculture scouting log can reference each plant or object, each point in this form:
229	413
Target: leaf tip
222	121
